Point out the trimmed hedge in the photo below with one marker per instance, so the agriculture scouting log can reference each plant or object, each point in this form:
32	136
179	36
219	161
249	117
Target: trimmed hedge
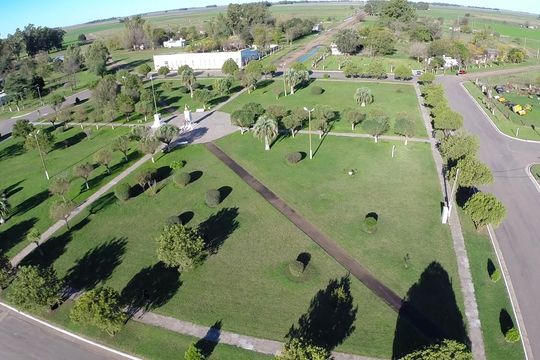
181	179
495	275
212	197
293	158
122	191
317	90
512	335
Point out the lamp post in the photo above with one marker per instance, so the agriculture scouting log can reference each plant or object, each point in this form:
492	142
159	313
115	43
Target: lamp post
157	117
39	94
309	130
40	154
450	201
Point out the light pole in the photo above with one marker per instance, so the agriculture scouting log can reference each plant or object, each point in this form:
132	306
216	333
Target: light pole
157	117
40	154
153	93
39	94
309	130
450	201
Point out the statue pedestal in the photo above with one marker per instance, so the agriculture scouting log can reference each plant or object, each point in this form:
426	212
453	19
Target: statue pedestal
157	121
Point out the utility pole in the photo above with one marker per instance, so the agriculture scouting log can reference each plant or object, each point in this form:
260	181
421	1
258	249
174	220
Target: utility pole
41	154
309	130
450	202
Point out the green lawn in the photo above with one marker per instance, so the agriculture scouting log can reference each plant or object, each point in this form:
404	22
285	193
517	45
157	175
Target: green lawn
340	95
492	297
333	62
509	127
244	283
26	185
535	171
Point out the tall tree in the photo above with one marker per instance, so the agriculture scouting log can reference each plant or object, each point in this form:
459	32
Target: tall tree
485	209
84	171
398	10
35	288
472	172
293	78
203	96
5	207
125	104
188	79
265	129
448	349
353	117
145	108
447	121
22	128
60	185
104	158
458	146
122	144
96	58
61	210
230	67
179	246
376	124
363	96
149	145
348	41
73	61
167	133
404	126
300	349
105	91
56	100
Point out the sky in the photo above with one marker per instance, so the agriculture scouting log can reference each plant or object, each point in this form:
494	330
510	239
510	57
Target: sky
53	13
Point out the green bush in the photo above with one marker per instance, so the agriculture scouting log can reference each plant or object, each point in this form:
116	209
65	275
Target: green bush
370	224
178	164
317	90
122	192
173	220
294	157
512	335
495	275
183	90
182	179
212	197
296	268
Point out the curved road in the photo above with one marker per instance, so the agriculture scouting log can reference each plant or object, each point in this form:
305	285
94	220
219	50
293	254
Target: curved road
519	235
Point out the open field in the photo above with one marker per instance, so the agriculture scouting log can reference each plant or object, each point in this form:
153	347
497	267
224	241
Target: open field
509	127
492	297
26	186
242	283
339	95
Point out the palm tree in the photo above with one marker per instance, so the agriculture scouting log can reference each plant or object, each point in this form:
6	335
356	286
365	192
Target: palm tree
4	208
188	79
294	78
363	96
265	128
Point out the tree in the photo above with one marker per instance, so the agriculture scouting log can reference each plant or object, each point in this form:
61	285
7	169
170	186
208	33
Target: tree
145	108
230	67
187	77
363	96
348	41
143	69
293	78
57	100
131	86
265	128
41	38
193	353
5	208
472	172
404	126
447	121
376	124
378	40
222	86
60	185
353	117
145	177
249	80
45	140
291	123
398	10
96	58
100	307
105	91
277	112
243	119
34	288
402	72
164	71
149	145
79	114
516	55
6	271
418	50
376	69
33	237
167	133
299	349
81	38
427	78
322	115
73	60
448	349
485	209
104	158
180	247
84	171
22	128
134	35
458	146
122	144
60	210
203	96
64	115
125	104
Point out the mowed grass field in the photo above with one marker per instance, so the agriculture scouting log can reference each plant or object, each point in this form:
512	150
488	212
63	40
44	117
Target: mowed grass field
339	95
244	283
332	62
24	181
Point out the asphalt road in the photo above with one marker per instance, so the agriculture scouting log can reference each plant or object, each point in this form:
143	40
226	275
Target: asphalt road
24	339
519	235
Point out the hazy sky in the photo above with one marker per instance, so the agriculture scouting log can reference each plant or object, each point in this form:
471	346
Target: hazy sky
18	13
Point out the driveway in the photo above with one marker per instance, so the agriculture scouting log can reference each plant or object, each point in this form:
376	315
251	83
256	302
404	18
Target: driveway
209	126
519	235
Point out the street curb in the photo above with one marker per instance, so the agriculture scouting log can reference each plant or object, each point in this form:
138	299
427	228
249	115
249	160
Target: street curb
512	295
70	334
531	176
491	121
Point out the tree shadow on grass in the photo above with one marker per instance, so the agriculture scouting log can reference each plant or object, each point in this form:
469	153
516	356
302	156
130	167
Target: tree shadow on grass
224	192
463	194
11	151
162	173
97	265
505	321
15	234
31	202
70	141
330	317
151	288
102	203
209	342
186	217
218	227
195	175
13	188
429	314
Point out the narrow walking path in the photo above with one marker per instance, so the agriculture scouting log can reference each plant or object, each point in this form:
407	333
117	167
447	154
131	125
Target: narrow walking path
464	271
59	224
264	346
354	135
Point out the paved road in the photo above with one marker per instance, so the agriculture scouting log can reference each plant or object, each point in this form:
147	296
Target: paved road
519	235
24	339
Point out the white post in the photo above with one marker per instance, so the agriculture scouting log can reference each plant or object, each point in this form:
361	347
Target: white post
450	202
393	150
517	132
157	121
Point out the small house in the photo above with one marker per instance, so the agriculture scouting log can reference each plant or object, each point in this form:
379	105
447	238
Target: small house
317	28
180	43
335	50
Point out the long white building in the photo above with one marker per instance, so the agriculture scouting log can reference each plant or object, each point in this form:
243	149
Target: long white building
205	61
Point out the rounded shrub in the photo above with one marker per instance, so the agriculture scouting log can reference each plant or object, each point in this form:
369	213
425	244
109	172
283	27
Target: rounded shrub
317	90
294	157
296	268
173	220
212	197
181	179
495	275
122	191
512	335
370	224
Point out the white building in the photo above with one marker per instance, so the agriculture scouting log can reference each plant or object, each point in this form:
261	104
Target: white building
180	43
449	62
334	49
205	61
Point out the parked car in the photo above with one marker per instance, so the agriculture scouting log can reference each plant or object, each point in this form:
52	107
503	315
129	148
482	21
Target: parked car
461	72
